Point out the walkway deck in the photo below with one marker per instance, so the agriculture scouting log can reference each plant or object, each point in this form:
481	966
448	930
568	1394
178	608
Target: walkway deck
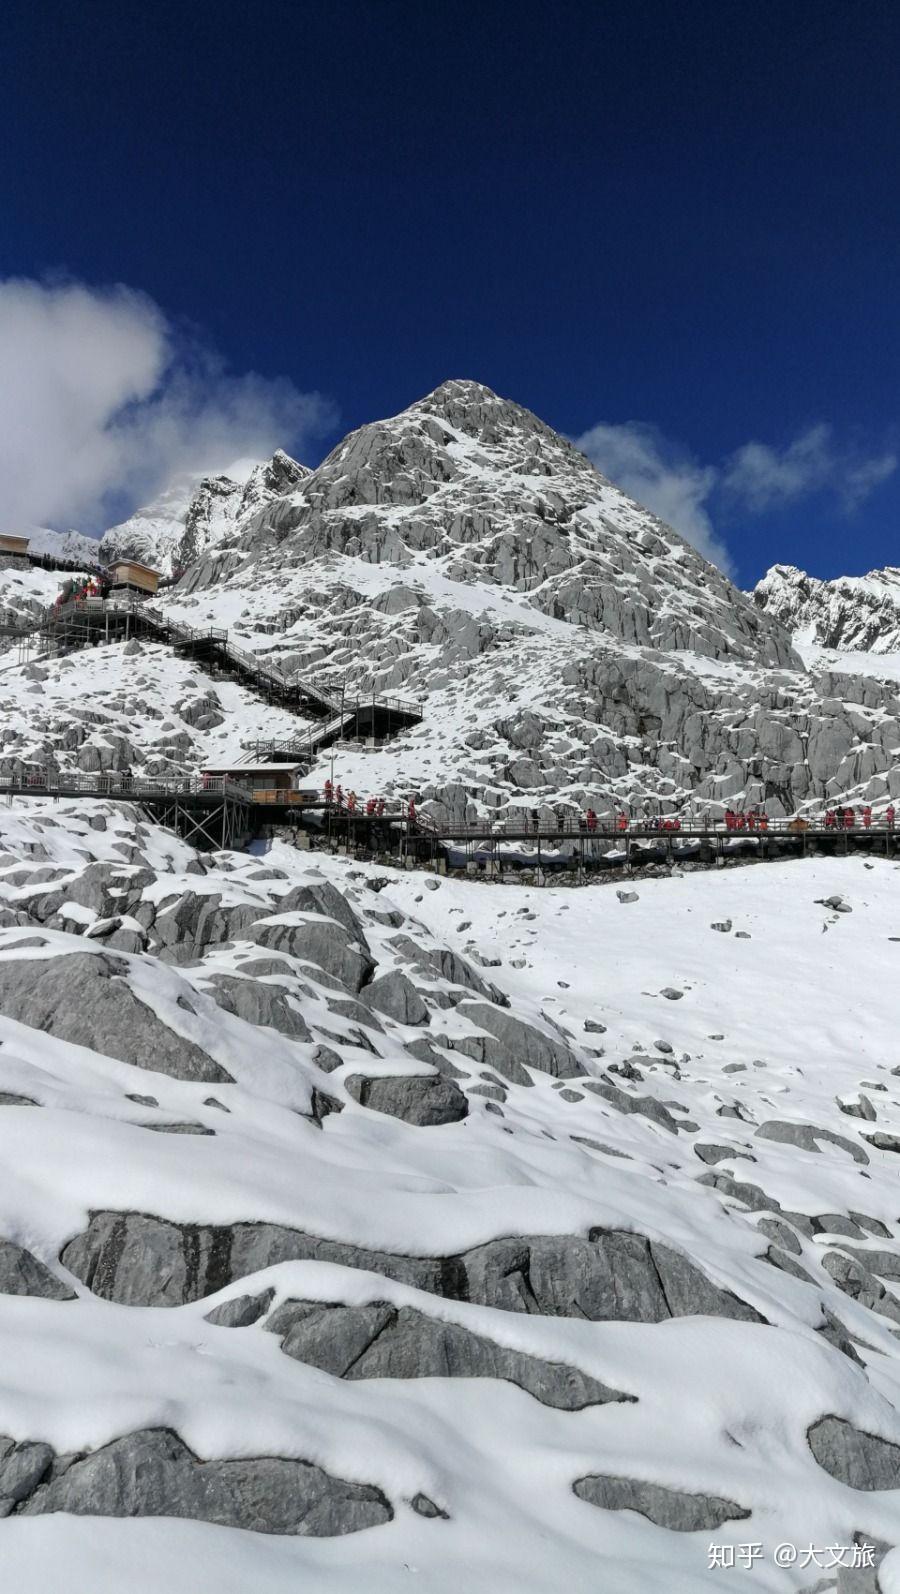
217	812
205	812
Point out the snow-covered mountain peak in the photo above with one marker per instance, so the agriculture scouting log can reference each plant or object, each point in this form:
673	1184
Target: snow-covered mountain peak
481	490
195	514
860	613
481	413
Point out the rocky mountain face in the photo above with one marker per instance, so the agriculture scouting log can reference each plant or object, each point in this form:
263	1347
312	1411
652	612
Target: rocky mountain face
191	517
853	612
489	493
570	647
63	544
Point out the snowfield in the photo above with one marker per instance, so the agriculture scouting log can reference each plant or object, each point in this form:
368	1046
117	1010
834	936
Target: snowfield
726	1096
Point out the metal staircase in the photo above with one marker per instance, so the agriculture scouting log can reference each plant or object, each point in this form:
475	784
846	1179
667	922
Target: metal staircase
89	621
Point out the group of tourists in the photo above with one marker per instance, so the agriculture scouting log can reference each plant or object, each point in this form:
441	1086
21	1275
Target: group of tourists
842	818
349	803
567	819
754	818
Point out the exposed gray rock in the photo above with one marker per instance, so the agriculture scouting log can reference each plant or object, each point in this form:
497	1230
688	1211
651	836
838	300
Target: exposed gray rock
836	903
441	963
489	1092
179	1129
885	1263
22	1467
196	921
749	1195
241	1310
668	1508
711	1153
860	1460
323	898
327	1059
608	1275
153	1473
385	1341
323	1105
834	1333
782	1234
836	1223
598	1145
423	1506
864	1579
806	1137
511	1045
851	1276
423	1099
644	1106
427	1052
396	996
786	1263
342	954
627	896
257	1003
883	1141
350	1007
22	1274
860	1108
85	998
874	1225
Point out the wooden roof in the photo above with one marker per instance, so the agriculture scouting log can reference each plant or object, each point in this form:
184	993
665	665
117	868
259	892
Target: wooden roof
133	564
252	769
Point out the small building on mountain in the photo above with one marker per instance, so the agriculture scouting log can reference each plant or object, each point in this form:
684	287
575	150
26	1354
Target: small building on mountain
264	782
128	575
13	549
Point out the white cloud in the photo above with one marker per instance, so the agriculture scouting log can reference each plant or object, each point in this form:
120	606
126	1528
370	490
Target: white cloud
760	477
654	471
755	479
103	401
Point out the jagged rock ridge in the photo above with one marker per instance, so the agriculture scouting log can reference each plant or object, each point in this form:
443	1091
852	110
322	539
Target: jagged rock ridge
852	612
189	518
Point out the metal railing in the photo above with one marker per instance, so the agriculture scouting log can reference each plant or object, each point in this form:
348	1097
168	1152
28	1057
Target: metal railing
579	829
178	632
42	782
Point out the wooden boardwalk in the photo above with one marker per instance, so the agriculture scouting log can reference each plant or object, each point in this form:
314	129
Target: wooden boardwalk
213	811
208	813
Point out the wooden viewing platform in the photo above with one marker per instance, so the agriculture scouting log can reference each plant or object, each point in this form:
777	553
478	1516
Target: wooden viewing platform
205	812
218	811
555	846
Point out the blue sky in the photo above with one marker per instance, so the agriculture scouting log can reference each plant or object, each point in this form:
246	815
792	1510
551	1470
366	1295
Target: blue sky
670	229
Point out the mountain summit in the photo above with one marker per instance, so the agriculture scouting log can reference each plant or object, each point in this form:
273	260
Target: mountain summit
487	492
569	648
